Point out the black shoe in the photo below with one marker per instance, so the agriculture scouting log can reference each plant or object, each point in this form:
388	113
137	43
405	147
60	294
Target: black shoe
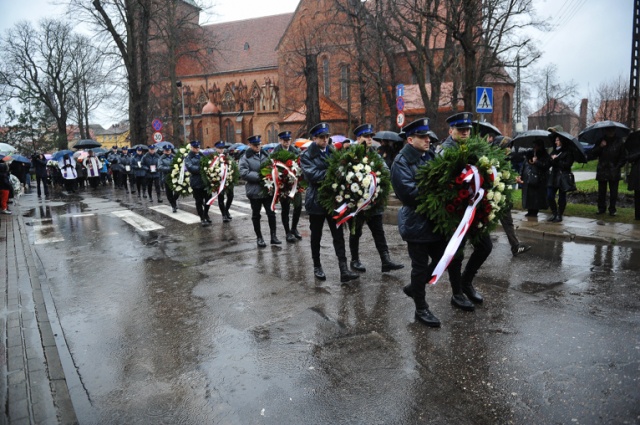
387	264
290	238
144	196
472	294
462	302
358	266
159	200
175	209
530	215
319	273
261	243
208	220
613	214
296	234
275	240
204	223
425	316
229	217
520	249
407	291
553	217
557	219
600	212
225	219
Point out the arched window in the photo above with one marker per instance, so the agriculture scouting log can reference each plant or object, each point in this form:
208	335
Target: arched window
229	132
272	133
345	76
325	77
506	108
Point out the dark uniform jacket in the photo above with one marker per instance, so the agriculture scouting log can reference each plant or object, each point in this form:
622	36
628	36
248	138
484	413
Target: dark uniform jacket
40	166
192	162
610	160
148	160
165	165
114	160
138	170
126	160
413	227
250	165
314	164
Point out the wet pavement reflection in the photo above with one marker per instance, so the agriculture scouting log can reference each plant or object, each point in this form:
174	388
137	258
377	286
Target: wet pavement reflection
191	325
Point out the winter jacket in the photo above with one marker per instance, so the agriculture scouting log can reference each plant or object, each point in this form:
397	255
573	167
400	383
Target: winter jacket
633	180
314	164
413	227
5	183
610	160
534	196
561	165
126	160
250	165
192	162
40	164
165	165
151	165
136	165
114	160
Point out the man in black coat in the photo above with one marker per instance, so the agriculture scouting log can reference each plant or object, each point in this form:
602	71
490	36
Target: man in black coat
416	229
314	165
610	153
40	164
292	233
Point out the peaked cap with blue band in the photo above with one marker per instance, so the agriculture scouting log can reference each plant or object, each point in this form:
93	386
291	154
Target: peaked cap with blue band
319	129
284	135
364	130
420	127
461	120
195	143
255	139
221	145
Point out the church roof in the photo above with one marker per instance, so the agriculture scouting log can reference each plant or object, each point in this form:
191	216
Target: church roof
247	44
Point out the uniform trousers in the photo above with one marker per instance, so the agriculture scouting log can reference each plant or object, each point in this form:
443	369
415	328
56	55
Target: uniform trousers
153	181
224	201
256	206
285	204
172	196
201	196
421	268
377	231
316	223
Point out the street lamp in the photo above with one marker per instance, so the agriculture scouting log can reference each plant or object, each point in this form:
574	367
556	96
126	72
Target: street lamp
184	122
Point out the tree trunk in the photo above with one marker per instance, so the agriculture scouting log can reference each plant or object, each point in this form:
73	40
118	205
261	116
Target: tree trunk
312	101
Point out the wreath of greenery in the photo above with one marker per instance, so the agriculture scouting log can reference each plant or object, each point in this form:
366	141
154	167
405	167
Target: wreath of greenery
444	196
292	161
173	179
212	176
348	180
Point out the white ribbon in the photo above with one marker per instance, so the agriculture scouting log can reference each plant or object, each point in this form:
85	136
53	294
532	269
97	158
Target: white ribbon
470	174
223	178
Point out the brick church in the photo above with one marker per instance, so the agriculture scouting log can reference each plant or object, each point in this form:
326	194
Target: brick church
253	85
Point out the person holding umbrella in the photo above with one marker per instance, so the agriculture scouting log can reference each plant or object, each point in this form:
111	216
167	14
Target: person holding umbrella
40	164
561	161
610	154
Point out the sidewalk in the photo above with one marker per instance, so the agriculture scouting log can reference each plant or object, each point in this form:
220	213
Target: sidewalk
33	389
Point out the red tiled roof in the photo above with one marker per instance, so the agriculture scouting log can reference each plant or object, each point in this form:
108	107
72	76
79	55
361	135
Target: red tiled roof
329	111
242	45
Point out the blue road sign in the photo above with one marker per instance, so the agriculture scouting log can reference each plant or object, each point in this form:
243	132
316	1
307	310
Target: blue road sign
400	90
157	124
400	104
484	100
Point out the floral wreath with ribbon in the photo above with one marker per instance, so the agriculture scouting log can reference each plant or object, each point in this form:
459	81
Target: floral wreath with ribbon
220	172
282	177
357	182
465	191
179	177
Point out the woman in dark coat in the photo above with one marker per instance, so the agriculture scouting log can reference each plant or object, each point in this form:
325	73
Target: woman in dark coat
561	162
534	191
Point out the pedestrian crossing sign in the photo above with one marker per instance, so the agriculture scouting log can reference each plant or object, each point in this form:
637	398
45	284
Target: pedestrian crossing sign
484	100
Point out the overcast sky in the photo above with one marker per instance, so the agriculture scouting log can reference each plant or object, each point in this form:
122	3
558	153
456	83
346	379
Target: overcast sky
590	41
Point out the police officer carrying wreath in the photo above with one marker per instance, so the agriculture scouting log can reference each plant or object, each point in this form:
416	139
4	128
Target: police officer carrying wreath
364	136
192	163
461	282
416	229
314	165
250	165
292	233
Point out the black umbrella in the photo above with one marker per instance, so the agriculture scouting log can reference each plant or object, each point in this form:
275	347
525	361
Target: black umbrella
87	144
526	138
387	135
484	128
594	133
143	147
573	143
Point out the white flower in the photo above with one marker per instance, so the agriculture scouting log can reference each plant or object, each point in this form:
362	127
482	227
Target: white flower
378	173
501	187
360	203
360	192
366	182
505	174
334	186
489	195
175	181
354	187
492	216
339	198
367	169
497	196
342	187
365	160
347	196
350	204
190	189
483	161
359	176
349	176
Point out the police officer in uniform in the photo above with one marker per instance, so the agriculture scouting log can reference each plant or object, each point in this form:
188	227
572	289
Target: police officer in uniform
416	229
250	165
192	162
364	136
314	165
151	165
165	170
226	196
116	168
292	233
464	294
126	160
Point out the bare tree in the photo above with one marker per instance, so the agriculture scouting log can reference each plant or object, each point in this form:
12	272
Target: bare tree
610	100
37	66
31	129
553	96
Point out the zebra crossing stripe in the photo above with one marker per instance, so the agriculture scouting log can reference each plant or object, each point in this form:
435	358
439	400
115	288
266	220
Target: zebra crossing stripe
182	216
137	221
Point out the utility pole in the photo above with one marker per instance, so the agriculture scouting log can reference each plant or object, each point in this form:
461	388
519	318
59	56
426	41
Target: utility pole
518	120
634	79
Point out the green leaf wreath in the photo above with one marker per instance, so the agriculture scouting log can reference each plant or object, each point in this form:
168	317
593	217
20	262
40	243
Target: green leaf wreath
349	179
176	184
212	177
444	196
285	179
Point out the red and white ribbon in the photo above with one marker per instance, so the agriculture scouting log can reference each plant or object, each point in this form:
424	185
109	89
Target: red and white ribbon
223	176
342	209
469	174
275	176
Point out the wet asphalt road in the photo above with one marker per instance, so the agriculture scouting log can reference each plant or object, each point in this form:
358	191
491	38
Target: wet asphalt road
185	325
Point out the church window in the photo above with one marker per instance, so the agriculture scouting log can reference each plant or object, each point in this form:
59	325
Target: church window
506	108
345	76
325	77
